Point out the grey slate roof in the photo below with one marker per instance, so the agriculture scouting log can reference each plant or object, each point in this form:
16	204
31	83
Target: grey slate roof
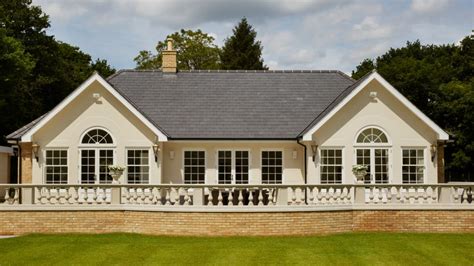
231	104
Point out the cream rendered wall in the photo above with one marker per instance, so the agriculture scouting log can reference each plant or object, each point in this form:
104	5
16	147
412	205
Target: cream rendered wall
83	113
403	128
292	168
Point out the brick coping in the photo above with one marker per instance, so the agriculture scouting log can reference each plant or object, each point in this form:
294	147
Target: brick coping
237	209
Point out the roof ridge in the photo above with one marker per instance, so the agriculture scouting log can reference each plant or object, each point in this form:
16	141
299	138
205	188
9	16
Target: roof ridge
238	71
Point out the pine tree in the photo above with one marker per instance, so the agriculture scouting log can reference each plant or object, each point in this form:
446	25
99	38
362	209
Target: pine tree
242	50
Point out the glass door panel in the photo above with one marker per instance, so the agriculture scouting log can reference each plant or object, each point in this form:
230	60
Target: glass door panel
106	158
88	166
225	167
381	165
363	158
241	167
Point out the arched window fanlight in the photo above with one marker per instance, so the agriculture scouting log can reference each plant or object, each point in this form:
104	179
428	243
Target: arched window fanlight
372	135
97	136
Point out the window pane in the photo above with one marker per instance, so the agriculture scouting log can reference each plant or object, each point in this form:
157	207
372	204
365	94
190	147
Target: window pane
194	167
56	167
272	167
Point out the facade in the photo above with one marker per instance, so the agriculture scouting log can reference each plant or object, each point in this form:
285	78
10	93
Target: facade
231	127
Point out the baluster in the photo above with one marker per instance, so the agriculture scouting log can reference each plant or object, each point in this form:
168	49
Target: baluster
210	198
231	197
380	194
327	195
455	194
389	195
16	196
250	197
176	196
318	196
311	196
270	196
371	195
187	199
464	196
293	195
73	195
167	197
240	197
219	197
260	197
7	196
156	196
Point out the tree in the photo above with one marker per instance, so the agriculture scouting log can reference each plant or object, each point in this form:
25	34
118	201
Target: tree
242	50
438	79
37	71
196	50
102	67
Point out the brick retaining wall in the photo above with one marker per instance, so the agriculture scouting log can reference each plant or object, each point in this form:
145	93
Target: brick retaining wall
237	223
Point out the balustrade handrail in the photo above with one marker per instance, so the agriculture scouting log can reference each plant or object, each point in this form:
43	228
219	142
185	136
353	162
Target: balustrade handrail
256	186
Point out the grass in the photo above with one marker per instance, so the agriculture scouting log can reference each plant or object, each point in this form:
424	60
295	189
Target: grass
341	249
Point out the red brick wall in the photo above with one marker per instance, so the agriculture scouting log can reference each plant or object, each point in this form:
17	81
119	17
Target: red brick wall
196	223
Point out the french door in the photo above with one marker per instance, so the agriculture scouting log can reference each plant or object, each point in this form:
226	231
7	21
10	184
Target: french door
94	165
377	161
233	167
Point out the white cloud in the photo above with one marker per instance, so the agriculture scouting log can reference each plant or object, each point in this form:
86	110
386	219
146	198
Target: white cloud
428	6
296	34
370	28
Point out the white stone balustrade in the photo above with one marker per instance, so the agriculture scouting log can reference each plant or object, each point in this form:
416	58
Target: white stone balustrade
204	196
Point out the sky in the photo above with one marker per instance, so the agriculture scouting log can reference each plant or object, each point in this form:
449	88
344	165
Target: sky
295	34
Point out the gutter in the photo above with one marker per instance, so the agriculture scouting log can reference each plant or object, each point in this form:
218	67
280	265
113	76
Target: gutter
305	169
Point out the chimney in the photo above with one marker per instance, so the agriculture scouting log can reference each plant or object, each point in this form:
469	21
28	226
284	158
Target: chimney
169	64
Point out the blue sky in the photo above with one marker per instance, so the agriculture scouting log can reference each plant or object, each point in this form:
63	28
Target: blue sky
295	34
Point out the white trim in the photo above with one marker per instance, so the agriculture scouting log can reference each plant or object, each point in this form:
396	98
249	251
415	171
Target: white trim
141	148
44	165
442	135
233	164
283	179
388	143
27	137
342	148
205	165
113	144
425	165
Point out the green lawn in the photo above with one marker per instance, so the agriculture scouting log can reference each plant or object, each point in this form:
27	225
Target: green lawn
342	249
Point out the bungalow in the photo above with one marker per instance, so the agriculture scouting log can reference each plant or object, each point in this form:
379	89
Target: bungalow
231	127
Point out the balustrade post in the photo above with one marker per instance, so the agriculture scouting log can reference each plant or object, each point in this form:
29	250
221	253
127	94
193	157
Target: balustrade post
445	195
116	195
359	195
198	196
27	196
282	196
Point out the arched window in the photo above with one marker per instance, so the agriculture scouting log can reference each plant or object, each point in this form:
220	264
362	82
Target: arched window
373	150
372	135
97	136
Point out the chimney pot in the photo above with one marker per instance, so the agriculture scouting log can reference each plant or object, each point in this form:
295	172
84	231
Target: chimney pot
169	64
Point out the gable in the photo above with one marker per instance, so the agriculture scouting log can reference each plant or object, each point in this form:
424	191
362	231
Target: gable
404	107
99	83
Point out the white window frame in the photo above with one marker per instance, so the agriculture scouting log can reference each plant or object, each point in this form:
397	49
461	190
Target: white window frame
320	165
233	164
424	148
84	145
97	149
282	165
45	178
127	149
183	172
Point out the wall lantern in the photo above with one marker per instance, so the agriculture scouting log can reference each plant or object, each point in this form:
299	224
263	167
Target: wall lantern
314	149
35	149
434	150
156	150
